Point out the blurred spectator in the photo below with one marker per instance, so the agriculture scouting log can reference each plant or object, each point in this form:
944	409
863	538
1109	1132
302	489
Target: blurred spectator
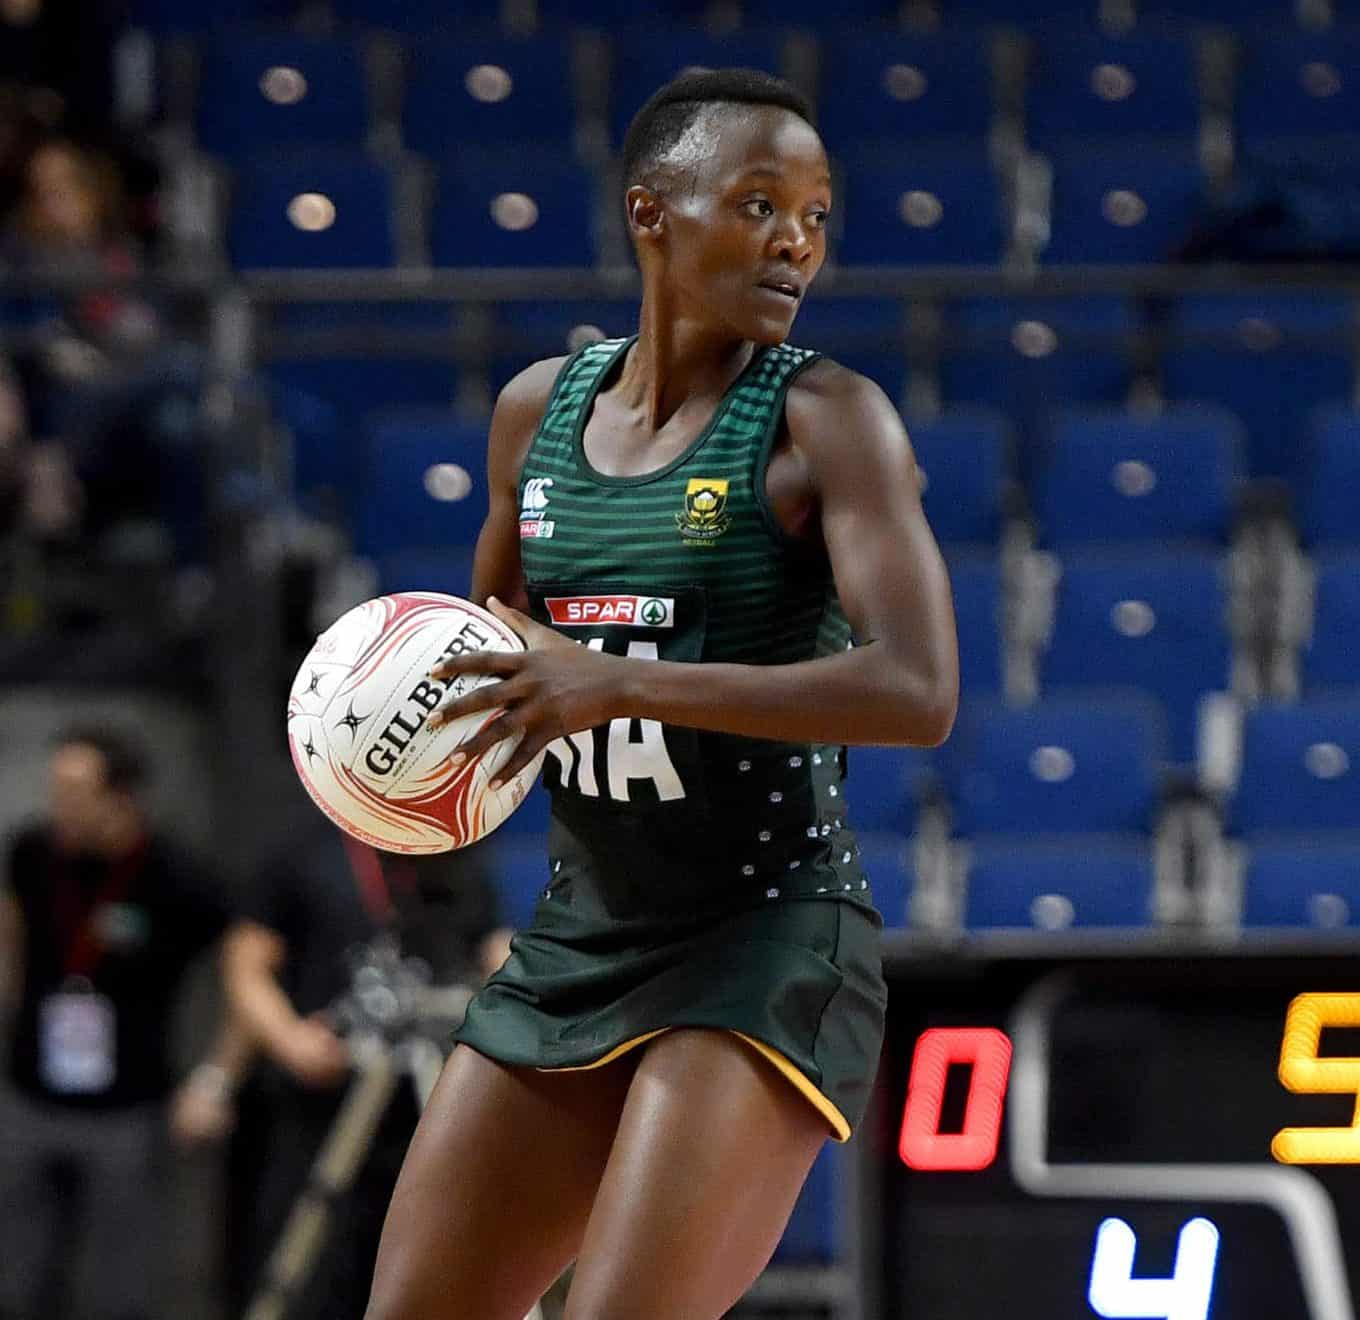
71	223
101	918
316	904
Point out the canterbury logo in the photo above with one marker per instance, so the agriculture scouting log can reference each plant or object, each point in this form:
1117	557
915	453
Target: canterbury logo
535	495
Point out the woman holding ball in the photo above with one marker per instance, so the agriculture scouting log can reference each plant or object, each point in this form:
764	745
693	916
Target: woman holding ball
712	515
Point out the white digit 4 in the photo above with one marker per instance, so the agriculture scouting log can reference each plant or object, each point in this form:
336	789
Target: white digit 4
1186	1295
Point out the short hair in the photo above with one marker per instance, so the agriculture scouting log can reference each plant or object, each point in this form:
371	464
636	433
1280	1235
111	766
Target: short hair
669	112
125	765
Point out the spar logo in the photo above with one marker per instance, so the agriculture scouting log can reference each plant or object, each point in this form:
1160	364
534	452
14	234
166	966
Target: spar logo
591	611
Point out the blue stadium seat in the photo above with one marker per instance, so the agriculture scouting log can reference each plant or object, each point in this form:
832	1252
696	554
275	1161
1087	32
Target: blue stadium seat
894	86
1300	768
1150	620
1329	478
421	18
615	15
1088	85
427	568
1092	881
1299	84
1245	12
1302	881
1028	356
1332	657
318	210
525	332
483	92
422	483
1065	765
978	616
813	1235
175	18
1270	358
1021	13
521	209
965	460
923	207
887	862
646	58
519	864
1122	205
815	14
1118	476
865	334
377	317
263	91
883	787
323	402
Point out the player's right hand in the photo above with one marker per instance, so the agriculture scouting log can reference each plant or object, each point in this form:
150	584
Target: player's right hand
315	1055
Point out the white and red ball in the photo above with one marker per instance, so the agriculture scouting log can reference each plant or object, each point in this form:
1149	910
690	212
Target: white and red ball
358	725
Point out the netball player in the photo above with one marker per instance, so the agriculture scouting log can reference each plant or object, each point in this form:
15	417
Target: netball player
698	1003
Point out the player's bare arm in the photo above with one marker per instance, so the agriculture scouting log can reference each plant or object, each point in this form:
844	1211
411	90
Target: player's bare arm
496	569
899	686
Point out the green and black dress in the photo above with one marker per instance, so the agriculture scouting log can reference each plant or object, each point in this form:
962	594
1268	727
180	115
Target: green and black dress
693	879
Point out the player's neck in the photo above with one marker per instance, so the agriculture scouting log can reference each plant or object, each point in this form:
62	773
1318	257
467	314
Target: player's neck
677	359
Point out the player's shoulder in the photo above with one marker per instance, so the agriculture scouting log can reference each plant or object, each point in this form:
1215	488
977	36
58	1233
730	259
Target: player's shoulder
825	396
531	388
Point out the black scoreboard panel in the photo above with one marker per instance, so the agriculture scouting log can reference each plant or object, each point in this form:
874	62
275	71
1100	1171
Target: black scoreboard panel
1122	1165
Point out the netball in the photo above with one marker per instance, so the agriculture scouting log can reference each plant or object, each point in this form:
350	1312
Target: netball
358	728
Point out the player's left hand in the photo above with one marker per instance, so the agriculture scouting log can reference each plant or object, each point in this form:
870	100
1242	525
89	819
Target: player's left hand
553	688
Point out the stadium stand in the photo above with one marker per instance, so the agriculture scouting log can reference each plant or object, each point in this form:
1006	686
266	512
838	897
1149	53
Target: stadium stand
1272	359
1100	881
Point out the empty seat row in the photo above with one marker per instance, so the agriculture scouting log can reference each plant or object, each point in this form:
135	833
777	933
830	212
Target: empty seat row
534	206
1092	764
262	89
1106	882
424	17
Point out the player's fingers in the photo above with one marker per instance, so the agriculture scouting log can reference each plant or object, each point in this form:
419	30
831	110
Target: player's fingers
485	696
504	726
500	663
529	747
532	634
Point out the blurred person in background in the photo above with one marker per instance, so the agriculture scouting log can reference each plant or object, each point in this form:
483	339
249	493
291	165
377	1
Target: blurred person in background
100	918
322	898
71	221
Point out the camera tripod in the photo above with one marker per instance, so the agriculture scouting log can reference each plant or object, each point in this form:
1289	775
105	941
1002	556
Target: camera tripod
392	1019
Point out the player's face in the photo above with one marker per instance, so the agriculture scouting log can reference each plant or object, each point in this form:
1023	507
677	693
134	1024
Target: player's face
750	237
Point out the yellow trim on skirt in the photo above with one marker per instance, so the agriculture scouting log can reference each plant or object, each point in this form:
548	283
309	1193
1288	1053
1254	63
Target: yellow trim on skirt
840	1128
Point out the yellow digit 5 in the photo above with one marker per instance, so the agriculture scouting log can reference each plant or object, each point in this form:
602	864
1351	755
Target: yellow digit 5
1304	1073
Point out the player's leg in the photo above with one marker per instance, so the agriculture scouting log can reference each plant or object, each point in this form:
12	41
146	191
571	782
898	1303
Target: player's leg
711	1152
496	1189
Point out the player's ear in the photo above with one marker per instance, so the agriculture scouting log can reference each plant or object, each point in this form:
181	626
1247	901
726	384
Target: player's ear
646	215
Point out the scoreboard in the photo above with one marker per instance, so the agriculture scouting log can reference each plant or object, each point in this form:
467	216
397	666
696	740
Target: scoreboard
1170	1131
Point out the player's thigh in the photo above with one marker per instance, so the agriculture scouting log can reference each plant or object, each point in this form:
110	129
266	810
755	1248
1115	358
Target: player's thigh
712	1150
496	1189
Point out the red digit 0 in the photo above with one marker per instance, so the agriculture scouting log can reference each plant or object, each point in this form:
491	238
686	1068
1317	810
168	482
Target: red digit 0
922	1145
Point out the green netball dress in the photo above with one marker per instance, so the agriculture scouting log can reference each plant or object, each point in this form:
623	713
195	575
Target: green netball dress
693	879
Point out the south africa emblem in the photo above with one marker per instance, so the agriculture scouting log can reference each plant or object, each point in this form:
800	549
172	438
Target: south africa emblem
705	516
